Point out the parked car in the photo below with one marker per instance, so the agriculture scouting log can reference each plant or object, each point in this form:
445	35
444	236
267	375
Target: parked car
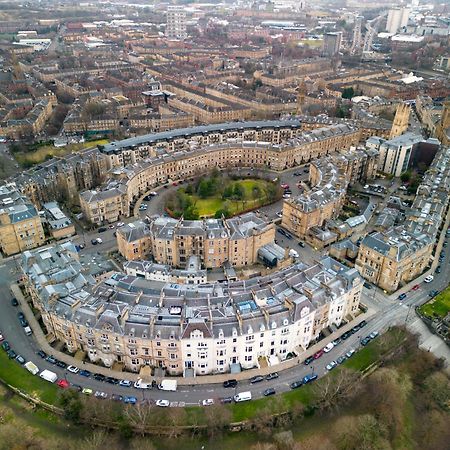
373	335
331	365
117	398
296	384
308	360
350	353
120	224
51	359
309	378
14	302
230	383
337	341
429	279
269	391
302	244
256	379
11	354
402	296
73	369
346	335
438	269
102	229
341	359
433	293
125	383
94	241
328	347
225	400
42	354
99	377
415	287
272	376
318	354
207	402
130	400
64	384
20	359
362	324
87	391
111	380
61	364
162	403
365	341
367	285
1	337
101	394
5	346
85	373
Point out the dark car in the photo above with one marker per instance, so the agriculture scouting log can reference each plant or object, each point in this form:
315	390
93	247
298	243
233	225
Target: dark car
14	301
85	373
226	400
5	346
51	359
230	383
111	380
355	329
272	376
94	241
21	315
20	359
116	397
402	296
433	293
308	360
309	378
256	379
367	285
301	243
23	322
346	335
61	364
362	324
438	269
102	229
337	341
296	384
365	341
11	353
42	354
269	391
99	377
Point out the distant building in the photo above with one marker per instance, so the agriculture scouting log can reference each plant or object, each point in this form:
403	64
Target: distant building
60	226
176	23
397	19
332	43
401	120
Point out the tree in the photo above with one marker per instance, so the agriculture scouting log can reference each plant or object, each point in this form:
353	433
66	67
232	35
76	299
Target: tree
71	404
437	387
238	191
405	176
335	391
348	93
217	417
256	192
138	417
203	189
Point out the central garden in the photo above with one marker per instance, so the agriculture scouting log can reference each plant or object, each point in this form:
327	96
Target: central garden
220	194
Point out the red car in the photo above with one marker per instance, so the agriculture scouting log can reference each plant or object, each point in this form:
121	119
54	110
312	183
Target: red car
318	354
414	288
63	384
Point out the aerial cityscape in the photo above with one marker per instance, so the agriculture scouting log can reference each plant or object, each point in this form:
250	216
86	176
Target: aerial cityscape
225	225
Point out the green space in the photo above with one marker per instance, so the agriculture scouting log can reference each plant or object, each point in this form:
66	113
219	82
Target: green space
29	155
438	307
13	373
220	195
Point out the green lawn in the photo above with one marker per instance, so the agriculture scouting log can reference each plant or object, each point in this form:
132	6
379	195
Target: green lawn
363	358
27	159
207	207
14	374
438	306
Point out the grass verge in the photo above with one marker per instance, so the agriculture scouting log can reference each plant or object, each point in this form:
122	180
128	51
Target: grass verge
14	374
439	306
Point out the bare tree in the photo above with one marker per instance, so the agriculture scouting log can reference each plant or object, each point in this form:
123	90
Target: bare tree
217	417
336	389
139	417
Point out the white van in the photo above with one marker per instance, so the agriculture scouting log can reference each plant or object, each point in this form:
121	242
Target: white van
48	376
31	367
243	397
168	385
28	331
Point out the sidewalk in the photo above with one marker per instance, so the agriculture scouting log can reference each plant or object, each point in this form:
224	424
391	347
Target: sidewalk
199	380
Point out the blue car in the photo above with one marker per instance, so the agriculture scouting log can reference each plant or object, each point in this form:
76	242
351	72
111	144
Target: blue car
85	373
309	378
130	400
402	296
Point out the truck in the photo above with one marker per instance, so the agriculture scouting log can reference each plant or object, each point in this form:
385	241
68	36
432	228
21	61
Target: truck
48	375
168	385
243	397
28	331
31	367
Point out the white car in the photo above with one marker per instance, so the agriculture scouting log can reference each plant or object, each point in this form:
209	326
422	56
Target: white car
73	369
153	193
162	403
99	241
429	279
279	214
120	224
332	365
328	347
100	394
208	402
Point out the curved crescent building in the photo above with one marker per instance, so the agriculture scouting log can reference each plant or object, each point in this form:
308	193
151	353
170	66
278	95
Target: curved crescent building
188	329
